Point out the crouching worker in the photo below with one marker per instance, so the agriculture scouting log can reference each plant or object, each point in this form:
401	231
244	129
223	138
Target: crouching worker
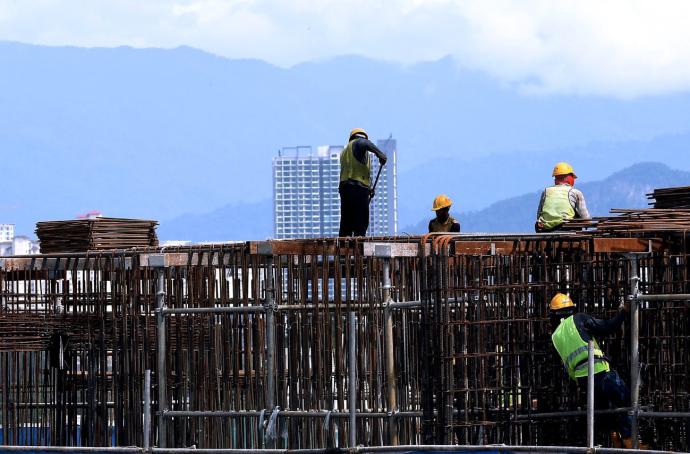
443	222
561	202
572	331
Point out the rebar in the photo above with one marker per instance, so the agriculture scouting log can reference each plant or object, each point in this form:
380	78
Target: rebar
464	319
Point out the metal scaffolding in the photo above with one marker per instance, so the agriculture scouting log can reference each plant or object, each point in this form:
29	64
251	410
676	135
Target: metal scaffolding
442	339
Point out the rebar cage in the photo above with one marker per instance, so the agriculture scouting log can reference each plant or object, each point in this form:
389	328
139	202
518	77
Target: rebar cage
334	342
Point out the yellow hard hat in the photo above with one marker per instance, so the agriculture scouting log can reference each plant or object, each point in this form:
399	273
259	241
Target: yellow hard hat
563	168
358	131
560	301
442	201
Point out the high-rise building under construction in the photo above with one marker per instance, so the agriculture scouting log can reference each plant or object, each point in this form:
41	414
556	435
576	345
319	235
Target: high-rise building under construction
306	203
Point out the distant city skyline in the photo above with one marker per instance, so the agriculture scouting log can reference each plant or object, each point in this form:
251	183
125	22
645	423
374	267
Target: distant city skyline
306	202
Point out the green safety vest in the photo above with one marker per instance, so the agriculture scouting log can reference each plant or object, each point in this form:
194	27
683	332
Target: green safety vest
557	207
352	169
435	226
574	351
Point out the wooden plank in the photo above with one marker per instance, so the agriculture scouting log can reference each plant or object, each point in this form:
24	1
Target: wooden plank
623	245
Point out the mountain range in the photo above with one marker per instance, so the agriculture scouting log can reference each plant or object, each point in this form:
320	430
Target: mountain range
623	189
171	134
626	188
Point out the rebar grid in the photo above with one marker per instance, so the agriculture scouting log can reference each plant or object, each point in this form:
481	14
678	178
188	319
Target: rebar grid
471	351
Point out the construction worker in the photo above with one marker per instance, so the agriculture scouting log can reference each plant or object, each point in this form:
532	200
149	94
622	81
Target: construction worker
560	202
355	183
572	331
443	222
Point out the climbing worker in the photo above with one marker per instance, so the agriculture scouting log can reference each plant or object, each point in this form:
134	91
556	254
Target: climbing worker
355	183
443	222
560	202
572	331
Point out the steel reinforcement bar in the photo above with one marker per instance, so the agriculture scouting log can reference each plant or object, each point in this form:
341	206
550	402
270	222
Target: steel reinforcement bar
332	342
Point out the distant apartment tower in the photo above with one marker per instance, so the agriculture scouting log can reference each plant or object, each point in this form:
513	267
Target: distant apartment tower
306	203
6	232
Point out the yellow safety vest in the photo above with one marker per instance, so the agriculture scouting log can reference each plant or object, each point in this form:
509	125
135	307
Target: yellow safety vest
352	169
574	351
435	226
557	207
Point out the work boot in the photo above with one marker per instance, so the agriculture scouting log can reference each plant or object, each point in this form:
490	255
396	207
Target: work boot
628	444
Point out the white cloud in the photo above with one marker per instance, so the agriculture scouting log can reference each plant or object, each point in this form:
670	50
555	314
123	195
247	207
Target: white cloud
623	48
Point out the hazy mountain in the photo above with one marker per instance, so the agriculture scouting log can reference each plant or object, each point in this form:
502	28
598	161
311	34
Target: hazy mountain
243	221
624	189
158	133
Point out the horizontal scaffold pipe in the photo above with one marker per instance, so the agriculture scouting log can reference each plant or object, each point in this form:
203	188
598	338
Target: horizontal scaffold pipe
494	448
570	414
293	307
664	297
287	414
357	450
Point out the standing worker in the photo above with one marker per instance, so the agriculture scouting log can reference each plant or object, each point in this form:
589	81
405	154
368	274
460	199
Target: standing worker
355	183
572	331
560	202
443	222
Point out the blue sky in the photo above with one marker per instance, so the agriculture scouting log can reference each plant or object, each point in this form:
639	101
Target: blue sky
616	48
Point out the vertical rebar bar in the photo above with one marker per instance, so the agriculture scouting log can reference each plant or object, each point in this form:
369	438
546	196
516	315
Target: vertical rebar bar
352	377
147	408
590	394
269	305
634	346
161	369
391	390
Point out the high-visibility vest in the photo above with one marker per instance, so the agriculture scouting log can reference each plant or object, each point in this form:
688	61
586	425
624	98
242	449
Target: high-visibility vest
574	351
352	169
435	226
556	207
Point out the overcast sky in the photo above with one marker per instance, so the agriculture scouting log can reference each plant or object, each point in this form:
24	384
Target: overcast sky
620	48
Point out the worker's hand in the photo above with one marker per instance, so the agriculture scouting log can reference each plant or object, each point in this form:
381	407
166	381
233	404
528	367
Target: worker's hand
382	160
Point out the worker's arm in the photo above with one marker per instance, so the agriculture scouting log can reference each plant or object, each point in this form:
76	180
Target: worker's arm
362	146
600	327
455	227
577	200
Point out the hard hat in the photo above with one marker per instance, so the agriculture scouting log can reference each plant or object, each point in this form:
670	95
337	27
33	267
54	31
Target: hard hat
442	201
560	301
563	168
358	131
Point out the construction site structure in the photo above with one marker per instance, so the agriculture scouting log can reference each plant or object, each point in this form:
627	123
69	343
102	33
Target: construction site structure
295	344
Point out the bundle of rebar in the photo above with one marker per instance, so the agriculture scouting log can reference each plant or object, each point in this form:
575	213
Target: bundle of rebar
635	221
100	233
678	197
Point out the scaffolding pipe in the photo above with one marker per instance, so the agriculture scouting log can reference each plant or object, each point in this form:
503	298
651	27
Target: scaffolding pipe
574	413
161	369
283	414
663	297
590	394
270	337
663	414
391	390
634	347
352	378
355	450
147	408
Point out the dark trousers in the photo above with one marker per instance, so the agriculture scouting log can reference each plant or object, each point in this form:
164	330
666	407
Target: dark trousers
610	391
354	209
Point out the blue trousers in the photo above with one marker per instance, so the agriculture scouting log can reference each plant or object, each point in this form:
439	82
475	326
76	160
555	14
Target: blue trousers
610	391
